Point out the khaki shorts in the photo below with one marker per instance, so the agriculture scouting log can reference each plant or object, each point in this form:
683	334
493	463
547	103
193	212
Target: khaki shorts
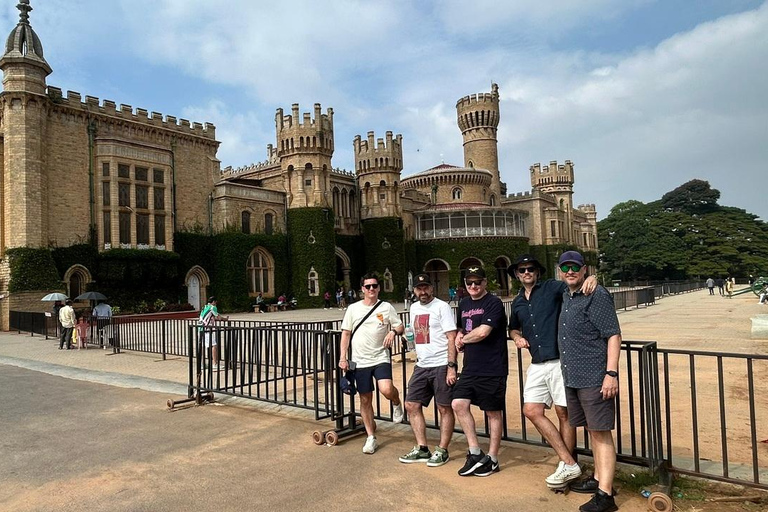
544	384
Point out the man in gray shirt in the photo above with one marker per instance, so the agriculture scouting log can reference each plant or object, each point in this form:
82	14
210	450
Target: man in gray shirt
590	345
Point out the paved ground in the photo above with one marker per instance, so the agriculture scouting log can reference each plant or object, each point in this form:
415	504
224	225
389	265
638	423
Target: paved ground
89	431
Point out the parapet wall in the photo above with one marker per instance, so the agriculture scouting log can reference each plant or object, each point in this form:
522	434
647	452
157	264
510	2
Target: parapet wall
382	154
482	99
108	107
292	122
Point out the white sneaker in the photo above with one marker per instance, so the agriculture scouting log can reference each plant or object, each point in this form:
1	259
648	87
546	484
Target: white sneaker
563	474
397	413
370	445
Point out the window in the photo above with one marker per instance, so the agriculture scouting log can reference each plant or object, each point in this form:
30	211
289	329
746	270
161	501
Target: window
308	183
260	271
552	228
125	228
159	230
387	284
382	196
159	198
158	176
142	229
105	169
124	194
268	221
123	171
245	222
456	193
107	224
142	173
105	191
142	197
313	283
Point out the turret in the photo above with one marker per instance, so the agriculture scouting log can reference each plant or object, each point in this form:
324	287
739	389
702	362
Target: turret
478	118
305	148
23	64
557	180
378	164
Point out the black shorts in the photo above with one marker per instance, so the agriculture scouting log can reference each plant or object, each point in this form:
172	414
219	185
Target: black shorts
586	408
488	393
364	376
426	383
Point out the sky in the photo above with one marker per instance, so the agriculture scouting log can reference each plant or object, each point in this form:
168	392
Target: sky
641	95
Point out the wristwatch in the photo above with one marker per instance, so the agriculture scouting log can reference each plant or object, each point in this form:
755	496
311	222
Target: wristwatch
452	364
612	373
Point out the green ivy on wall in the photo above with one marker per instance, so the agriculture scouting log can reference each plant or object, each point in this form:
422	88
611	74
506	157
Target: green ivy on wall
79	254
312	241
384	249
32	270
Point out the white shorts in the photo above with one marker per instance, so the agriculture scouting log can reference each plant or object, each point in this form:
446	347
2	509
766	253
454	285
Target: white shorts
544	384
210	339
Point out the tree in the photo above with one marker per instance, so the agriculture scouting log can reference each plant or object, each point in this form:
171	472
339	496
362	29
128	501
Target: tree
695	196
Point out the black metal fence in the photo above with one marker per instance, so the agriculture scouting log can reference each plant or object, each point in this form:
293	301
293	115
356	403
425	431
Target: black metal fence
33	323
637	297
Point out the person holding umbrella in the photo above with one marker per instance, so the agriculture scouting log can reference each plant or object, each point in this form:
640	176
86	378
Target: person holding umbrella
103	315
67	319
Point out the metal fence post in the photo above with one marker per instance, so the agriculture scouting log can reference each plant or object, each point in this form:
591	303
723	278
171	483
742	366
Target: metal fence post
163	339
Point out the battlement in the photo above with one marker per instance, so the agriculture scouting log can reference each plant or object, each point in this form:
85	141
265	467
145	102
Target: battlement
587	208
382	154
552	168
342	172
481	100
552	176
292	122
74	100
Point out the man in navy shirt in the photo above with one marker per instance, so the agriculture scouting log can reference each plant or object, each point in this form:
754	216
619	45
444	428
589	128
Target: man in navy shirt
590	346
483	381
533	325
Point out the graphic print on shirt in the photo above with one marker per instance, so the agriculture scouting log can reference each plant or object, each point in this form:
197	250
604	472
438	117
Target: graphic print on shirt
380	316
467	315
421	329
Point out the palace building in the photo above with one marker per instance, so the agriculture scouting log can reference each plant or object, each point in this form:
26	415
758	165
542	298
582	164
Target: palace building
79	170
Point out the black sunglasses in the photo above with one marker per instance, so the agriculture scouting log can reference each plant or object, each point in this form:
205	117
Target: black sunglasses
371	286
474	283
523	270
573	266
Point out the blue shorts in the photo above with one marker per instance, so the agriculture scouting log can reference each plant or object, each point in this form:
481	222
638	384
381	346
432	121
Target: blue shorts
364	376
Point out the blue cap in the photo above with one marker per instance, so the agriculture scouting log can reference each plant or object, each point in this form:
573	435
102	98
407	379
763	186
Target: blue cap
347	383
571	257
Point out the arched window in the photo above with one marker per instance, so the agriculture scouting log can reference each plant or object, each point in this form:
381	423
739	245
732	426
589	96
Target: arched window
456	193
76	278
269	221
313	283
261	273
245	222
387	284
493	200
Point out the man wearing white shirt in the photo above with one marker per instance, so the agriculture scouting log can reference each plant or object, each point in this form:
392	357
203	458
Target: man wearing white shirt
435	372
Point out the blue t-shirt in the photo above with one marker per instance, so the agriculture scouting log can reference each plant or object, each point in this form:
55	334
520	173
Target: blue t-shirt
489	357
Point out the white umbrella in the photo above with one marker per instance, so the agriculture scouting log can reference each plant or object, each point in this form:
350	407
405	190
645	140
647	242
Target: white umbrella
54	297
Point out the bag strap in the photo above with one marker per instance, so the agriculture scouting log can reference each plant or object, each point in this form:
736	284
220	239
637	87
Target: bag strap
363	321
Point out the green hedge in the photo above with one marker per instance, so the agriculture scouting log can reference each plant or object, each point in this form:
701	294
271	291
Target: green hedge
80	254
384	249
320	254
32	270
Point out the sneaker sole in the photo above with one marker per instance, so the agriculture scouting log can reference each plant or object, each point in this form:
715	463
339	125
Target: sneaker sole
437	464
412	461
564	482
470	471
489	473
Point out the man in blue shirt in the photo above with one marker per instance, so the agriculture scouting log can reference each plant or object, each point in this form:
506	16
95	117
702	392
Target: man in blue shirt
589	339
533	325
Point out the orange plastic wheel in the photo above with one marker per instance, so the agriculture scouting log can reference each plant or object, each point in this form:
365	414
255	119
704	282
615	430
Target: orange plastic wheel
659	502
332	438
318	437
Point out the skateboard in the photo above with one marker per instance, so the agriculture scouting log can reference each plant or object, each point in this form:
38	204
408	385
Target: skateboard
563	488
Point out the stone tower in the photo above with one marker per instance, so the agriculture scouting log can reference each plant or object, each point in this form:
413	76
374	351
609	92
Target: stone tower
556	180
378	166
478	117
24	184
305	148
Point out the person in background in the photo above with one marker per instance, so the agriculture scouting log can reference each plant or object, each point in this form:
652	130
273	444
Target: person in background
67	319
711	286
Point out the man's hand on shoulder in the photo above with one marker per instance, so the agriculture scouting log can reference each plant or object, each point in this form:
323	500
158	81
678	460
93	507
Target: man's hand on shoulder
589	285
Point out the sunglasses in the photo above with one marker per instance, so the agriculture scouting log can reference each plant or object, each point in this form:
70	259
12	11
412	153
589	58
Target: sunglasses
474	283
371	286
573	266
529	270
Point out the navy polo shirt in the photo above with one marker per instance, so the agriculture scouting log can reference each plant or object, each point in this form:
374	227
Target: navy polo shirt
537	318
586	323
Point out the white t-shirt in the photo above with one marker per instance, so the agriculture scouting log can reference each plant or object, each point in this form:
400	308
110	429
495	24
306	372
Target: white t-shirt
368	342
430	323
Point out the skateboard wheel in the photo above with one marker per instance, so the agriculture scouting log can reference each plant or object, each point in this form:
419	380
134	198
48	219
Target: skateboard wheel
332	438
659	502
318	437
170	403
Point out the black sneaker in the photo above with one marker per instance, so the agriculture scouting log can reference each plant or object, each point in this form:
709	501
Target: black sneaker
473	462
587	486
486	467
600	502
